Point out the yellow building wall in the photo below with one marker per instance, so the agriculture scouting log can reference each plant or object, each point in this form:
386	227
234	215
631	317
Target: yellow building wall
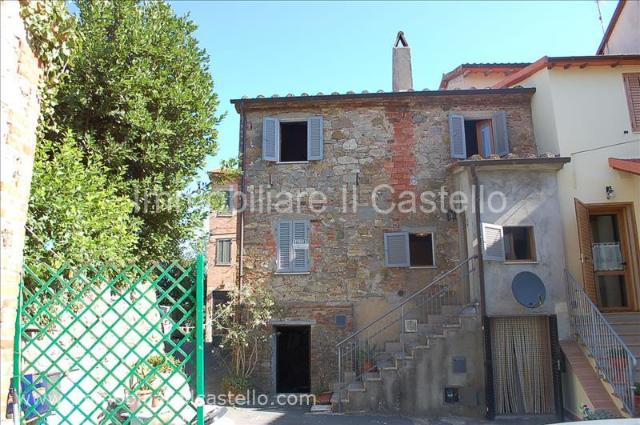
583	114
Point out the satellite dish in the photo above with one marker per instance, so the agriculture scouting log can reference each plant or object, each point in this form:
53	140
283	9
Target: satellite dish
528	289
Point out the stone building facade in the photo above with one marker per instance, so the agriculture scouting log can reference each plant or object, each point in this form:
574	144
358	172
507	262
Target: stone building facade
392	142
19	119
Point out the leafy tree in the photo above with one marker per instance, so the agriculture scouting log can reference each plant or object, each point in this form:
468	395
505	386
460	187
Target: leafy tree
140	97
75	210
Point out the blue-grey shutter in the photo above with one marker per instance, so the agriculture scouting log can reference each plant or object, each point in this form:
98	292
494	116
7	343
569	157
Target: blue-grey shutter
315	140
270	139
492	242
300	246
456	133
284	246
500	136
396	249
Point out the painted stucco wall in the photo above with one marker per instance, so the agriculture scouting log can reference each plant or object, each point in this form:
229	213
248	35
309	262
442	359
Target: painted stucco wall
625	38
531	193
583	114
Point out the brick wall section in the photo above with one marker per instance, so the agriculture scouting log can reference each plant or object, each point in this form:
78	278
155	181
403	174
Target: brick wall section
19	116
221	226
404	143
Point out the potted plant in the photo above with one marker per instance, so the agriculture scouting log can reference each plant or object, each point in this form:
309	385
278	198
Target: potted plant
140	387
165	367
243	326
367	357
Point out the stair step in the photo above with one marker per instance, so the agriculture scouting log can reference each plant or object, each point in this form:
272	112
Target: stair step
616	318
356	386
626	328
630	339
372	376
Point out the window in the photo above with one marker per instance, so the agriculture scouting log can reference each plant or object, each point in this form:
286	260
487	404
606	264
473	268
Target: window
223	252
292	141
519	243
227	206
404	249
513	243
293	246
485	136
421	250
632	87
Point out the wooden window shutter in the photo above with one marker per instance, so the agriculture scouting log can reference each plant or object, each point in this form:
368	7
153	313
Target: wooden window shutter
315	140
492	242
396	249
270	139
632	87
500	133
300	246
456	133
586	255
284	246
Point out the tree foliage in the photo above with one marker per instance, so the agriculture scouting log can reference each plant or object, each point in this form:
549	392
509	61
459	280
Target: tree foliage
138	98
75	210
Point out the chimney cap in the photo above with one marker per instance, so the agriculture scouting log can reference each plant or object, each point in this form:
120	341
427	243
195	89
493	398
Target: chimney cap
400	39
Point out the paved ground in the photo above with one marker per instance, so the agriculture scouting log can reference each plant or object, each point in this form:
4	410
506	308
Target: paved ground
300	416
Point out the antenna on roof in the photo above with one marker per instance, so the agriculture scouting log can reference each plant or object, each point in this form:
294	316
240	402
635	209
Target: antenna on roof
600	16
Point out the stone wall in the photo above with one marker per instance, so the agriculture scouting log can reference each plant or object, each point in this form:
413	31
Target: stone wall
403	143
19	117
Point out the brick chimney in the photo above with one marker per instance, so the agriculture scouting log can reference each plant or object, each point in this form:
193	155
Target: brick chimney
402	78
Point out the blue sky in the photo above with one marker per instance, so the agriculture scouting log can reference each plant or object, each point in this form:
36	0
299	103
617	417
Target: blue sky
294	47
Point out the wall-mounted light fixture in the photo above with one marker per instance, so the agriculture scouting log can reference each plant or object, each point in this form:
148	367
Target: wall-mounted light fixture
451	215
610	192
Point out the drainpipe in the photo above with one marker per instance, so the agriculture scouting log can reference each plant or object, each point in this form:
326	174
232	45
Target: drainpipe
243	191
488	380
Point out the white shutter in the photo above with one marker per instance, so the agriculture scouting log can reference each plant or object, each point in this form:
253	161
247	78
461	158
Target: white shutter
315	140
270	139
300	246
500	136
456	134
396	249
284	246
492	242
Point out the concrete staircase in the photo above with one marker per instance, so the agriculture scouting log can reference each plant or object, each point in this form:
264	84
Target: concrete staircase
378	389
627	325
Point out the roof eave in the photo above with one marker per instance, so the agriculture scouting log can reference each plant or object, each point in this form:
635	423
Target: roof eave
239	103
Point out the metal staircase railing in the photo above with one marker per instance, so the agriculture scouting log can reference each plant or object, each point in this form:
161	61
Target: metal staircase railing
613	358
359	353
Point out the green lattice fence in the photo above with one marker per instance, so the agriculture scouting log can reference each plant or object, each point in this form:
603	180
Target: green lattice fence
99	345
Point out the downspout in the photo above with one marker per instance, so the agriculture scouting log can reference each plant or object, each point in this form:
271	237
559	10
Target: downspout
488	380
243	191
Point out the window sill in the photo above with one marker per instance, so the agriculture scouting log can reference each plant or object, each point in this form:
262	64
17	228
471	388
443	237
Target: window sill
224	215
516	262
423	267
291	162
222	265
291	273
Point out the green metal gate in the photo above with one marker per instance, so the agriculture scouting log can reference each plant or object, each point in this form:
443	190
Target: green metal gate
100	345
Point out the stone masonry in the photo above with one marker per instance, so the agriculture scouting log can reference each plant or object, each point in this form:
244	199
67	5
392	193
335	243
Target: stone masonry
19	117
401	141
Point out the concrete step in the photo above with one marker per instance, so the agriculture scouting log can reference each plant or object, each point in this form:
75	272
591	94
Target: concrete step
626	328
630	339
631	317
